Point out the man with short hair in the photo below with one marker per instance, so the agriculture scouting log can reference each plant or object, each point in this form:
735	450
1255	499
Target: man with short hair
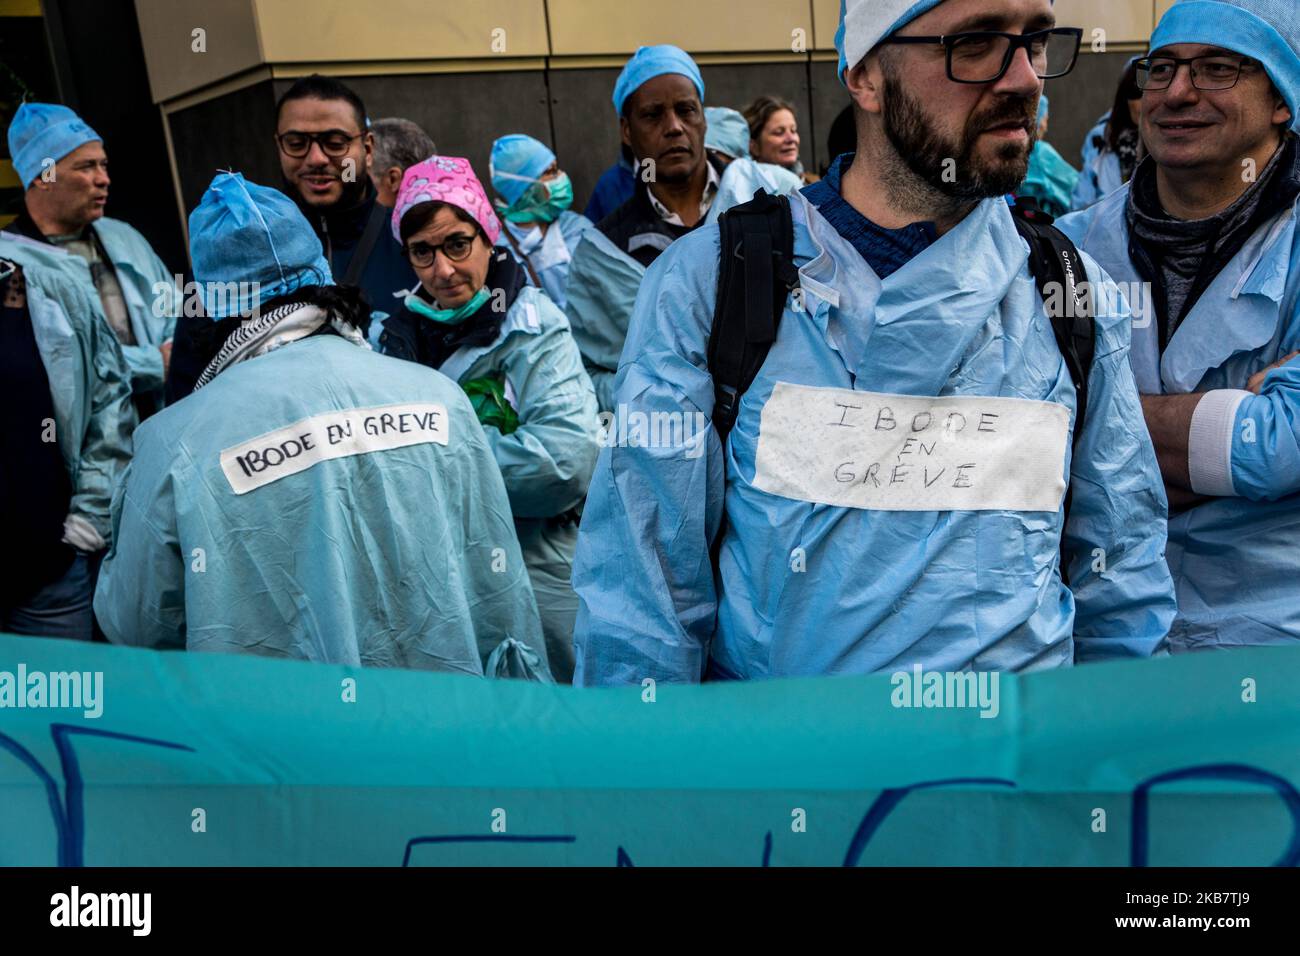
399	144
659	98
1205	237
63	167
325	147
893	491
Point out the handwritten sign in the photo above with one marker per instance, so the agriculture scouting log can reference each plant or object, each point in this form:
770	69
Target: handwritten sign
358	431
213	759
883	452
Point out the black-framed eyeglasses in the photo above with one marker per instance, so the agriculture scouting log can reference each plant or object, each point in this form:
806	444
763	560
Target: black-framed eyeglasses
985	56
1209	72
456	248
333	142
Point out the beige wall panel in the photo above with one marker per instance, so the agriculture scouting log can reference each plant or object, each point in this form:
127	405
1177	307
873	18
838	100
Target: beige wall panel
166	31
1161	7
826	18
584	27
1125	21
346	30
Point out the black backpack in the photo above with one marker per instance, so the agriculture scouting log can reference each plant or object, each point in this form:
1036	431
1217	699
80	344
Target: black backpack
757	274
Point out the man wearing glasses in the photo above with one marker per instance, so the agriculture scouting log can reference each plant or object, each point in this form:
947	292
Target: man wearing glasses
1209	225
862	518
324	140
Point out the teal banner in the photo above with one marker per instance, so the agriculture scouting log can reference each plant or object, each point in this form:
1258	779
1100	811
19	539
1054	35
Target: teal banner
119	757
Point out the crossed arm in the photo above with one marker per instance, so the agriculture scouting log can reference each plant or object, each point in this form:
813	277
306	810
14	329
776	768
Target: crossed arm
1169	421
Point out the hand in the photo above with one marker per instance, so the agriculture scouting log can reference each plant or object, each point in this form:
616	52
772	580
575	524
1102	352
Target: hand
1257	380
166	350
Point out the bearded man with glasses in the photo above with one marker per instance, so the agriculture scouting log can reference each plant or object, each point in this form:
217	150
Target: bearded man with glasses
1208	227
324	141
837	527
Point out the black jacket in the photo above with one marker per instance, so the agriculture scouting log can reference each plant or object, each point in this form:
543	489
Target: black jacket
638	230
387	275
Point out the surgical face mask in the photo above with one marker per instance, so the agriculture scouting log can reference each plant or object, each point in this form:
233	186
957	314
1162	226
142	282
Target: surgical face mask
541	202
448	316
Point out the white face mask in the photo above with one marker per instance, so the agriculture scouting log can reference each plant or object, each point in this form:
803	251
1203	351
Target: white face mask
553	251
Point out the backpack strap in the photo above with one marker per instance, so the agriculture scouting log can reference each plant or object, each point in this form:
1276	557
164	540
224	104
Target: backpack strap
1057	268
520	255
366	244
755	277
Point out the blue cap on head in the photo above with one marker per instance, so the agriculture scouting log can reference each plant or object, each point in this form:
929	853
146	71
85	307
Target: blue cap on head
864	23
45	131
1265	30
649	62
517	162
242	233
728	132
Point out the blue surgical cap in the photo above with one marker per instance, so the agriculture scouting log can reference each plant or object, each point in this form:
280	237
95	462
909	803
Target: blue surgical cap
649	62
243	233
517	161
1043	107
41	131
1265	30
864	23
728	132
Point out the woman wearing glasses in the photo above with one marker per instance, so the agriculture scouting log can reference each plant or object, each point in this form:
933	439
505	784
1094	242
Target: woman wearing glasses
475	319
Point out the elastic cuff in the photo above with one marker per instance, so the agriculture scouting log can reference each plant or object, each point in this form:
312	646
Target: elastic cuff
1209	445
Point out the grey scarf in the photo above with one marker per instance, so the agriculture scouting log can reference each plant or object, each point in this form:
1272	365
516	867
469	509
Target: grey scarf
1187	253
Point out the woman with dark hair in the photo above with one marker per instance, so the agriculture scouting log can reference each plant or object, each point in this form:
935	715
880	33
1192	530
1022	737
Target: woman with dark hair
311	499
475	319
1112	148
774	134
